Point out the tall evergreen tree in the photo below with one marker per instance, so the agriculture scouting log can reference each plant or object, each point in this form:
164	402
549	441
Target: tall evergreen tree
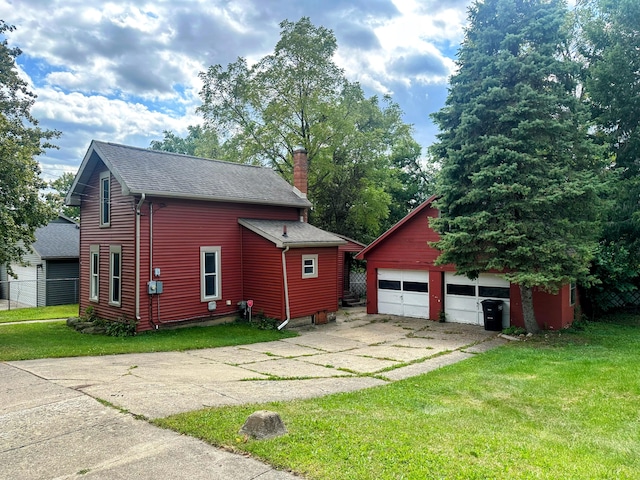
519	176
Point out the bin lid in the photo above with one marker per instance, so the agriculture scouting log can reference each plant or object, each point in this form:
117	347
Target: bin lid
492	301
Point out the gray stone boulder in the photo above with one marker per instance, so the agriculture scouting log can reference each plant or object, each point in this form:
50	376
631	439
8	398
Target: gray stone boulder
263	424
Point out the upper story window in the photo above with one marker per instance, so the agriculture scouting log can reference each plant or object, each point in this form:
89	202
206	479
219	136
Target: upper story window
94	272
115	275
309	266
210	273
105	199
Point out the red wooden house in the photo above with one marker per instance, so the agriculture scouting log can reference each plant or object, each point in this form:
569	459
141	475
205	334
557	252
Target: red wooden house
403	280
168	238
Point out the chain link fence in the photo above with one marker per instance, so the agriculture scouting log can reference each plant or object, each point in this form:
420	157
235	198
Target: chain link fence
38	293
358	283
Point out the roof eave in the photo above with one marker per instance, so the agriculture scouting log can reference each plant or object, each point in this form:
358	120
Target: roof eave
405	219
212	198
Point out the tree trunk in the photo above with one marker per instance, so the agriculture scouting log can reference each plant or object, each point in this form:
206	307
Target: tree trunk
530	323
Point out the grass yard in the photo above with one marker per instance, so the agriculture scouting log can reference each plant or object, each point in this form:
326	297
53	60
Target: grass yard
55	339
38	313
565	406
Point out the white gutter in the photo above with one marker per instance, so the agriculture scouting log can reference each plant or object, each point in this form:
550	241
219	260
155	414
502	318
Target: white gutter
137	289
286	289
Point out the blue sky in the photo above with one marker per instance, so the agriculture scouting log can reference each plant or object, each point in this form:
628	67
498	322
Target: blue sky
124	71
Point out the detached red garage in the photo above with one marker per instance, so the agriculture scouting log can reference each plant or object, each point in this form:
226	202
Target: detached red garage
403	280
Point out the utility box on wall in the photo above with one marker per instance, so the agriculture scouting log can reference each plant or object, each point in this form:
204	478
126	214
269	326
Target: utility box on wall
154	287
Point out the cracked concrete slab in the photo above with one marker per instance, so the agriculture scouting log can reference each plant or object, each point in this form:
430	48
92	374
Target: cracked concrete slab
46	405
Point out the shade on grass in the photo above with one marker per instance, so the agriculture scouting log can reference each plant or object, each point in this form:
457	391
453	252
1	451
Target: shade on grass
561	407
55	339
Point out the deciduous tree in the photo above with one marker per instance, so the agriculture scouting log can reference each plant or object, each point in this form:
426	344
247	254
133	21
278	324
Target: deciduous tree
610	46
21	140
297	96
200	142
55	198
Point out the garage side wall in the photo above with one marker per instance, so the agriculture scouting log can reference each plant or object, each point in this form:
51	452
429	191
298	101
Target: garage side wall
553	311
408	249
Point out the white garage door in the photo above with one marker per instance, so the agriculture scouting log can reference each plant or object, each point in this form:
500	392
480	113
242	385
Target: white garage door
463	297
403	292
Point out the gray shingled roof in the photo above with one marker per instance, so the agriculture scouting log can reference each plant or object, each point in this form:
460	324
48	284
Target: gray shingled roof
156	173
57	240
299	234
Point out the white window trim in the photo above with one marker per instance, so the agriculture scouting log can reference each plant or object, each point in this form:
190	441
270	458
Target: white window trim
105	176
115	249
573	288
94	252
218	274
314	265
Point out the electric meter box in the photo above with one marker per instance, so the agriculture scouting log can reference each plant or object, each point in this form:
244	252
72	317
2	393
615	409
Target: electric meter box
154	287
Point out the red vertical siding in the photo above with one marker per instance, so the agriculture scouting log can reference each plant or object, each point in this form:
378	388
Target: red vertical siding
406	247
409	248
310	295
340	273
264	283
120	232
262	275
553	311
180	228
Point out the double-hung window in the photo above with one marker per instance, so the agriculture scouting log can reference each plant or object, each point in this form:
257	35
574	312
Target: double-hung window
309	266
115	275
94	272
105	199
210	274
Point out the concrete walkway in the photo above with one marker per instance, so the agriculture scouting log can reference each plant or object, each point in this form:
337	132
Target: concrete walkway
51	426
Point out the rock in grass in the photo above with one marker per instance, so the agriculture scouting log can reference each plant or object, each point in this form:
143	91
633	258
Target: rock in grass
263	424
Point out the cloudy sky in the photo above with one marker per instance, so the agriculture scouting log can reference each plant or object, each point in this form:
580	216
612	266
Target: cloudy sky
124	71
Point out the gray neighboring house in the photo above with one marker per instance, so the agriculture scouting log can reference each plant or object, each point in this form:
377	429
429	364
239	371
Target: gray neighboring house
51	274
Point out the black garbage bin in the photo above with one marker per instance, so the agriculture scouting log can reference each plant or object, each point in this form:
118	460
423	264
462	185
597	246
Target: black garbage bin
492	310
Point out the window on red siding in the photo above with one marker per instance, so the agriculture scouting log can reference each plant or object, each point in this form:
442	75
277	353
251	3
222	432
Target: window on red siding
210	273
115	275
105	199
309	266
94	275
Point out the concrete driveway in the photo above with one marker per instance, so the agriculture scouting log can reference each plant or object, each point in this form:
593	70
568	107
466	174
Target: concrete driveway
52	426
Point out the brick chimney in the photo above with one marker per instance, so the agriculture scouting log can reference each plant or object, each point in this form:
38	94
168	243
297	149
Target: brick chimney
301	175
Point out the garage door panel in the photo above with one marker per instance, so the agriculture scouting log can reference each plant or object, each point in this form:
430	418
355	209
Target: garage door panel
463	297
390	308
403	292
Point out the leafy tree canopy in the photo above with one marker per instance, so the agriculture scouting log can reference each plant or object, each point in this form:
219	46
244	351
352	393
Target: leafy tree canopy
297	96
58	191
21	140
519	184
200	142
610	46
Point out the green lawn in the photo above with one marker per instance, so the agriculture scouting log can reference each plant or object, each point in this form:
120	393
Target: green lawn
38	313
54	339
561	407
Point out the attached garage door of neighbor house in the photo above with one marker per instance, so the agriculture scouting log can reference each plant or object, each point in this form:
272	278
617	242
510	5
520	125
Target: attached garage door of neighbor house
403	292
463	297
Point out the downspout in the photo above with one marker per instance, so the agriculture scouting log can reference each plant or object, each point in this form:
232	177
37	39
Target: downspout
286	289
137	290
